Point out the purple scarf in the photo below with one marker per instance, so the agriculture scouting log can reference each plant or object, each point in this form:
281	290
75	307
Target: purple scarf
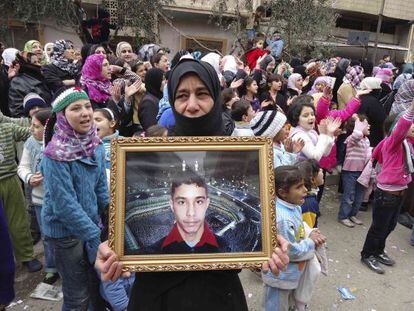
98	87
67	145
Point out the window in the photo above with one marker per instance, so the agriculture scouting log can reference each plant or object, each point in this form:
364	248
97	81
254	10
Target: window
211	43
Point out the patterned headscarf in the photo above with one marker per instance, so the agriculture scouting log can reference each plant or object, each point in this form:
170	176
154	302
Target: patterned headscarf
401	79
57	58
98	86
67	145
404	97
385	75
324	80
354	75
313	69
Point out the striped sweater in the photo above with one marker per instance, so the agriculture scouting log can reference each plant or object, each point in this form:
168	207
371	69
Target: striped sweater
358	151
10	133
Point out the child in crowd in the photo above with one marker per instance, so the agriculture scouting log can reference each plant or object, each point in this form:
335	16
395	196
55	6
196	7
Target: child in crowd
301	116
291	192
394	155
254	55
32	102
313	177
358	153
116	293
285	150
229	96
11	193
242	113
250	94
76	195
29	172
106	126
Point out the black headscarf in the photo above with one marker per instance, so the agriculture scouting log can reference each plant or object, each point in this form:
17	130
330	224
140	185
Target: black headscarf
153	81
211	124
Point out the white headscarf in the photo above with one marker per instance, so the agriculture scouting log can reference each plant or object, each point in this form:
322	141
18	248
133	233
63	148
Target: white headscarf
292	82
9	55
371	83
214	60
230	64
47	57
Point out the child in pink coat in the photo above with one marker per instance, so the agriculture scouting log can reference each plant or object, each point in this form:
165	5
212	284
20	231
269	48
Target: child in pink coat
394	155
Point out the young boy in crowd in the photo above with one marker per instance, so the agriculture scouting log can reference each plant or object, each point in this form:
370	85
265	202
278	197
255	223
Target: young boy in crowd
290	191
313	177
242	113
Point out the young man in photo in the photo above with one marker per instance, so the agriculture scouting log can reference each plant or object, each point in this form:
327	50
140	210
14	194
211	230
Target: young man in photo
190	234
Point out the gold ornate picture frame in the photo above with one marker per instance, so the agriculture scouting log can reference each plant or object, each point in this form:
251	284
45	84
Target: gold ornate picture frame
154	223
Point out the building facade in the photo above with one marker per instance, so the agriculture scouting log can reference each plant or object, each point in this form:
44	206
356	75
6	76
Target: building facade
192	19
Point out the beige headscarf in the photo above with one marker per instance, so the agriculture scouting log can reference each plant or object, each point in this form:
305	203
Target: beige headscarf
371	83
120	46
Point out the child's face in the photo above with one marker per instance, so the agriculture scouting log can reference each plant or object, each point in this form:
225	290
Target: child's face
103	125
252	88
37	129
250	115
411	131
141	71
307	118
296	194
319	86
367	130
318	180
260	44
282	134
276	85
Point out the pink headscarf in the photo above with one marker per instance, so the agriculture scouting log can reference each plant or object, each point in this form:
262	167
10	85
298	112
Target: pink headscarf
385	75
98	87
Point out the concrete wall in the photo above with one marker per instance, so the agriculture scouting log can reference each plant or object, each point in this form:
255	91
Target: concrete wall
194	27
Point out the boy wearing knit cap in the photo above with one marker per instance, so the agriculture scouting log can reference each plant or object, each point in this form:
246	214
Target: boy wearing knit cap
272	123
32	102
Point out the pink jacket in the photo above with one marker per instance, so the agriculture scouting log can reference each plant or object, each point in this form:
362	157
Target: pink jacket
322	112
390	154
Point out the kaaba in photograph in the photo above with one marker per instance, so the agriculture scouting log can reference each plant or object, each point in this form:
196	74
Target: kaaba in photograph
232	188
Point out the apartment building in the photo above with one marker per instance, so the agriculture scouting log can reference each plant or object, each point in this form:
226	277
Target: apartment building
192	19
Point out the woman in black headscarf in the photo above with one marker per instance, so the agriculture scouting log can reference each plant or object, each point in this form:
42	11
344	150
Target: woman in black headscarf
339	75
194	91
148	108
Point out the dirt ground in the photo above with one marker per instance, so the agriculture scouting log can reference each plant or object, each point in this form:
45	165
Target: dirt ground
392	291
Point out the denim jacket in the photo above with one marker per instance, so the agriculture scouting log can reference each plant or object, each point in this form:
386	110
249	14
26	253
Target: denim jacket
76	193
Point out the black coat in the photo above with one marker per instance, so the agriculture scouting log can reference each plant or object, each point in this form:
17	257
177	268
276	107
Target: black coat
20	86
54	76
281	100
4	90
372	108
148	110
228	122
187	291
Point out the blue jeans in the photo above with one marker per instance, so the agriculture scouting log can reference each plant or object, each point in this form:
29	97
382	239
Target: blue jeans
49	250
80	284
353	195
276	299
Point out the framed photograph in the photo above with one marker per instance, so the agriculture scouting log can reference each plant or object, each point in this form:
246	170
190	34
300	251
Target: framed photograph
192	203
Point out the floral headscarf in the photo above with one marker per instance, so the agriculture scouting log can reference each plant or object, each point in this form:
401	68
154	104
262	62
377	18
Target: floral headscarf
385	75
354	75
98	86
323	79
57	58
67	145
404	97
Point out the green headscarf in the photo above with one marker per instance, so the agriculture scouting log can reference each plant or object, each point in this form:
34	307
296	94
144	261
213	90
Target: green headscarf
28	47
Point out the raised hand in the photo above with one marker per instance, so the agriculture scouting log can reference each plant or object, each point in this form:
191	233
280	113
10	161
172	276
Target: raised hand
327	92
332	126
298	145
322	127
116	92
133	88
236	84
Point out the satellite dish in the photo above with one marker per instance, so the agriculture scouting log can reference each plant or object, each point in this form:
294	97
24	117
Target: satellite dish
358	38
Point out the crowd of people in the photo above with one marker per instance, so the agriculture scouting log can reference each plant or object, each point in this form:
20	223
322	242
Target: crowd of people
60	108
